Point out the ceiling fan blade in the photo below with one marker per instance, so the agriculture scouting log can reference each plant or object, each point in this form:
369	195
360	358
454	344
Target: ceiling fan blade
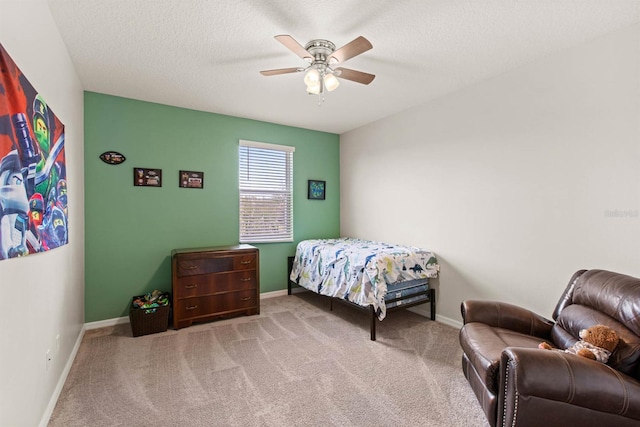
294	46
355	76
281	71
351	49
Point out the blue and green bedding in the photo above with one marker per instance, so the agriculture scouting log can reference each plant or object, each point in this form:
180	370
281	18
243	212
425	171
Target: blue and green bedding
361	271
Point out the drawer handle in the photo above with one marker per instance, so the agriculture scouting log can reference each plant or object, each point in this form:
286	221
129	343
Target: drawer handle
191	286
192	267
193	307
245	299
248	279
245	262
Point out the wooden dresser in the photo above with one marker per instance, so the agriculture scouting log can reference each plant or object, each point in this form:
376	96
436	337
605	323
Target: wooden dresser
214	282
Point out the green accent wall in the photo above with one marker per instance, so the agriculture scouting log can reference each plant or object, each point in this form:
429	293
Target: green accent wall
130	231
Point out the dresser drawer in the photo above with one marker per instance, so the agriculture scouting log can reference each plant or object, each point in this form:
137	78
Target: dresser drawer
219	304
245	262
190	266
205	284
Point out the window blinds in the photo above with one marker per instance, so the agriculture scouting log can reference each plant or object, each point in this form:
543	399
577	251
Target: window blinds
266	192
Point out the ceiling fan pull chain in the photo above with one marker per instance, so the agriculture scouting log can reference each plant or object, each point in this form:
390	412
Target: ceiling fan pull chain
321	94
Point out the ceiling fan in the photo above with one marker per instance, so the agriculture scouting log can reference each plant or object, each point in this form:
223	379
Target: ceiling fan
322	56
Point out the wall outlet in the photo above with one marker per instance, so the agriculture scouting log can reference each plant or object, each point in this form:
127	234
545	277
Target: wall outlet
49	359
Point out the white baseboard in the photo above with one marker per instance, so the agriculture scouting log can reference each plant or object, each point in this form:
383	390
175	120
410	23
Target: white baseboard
448	321
424	310
105	323
44	421
273	294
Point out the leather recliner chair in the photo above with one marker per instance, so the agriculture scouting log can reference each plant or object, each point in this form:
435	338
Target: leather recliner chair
518	384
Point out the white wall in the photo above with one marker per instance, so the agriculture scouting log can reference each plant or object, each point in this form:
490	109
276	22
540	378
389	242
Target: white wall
514	182
42	295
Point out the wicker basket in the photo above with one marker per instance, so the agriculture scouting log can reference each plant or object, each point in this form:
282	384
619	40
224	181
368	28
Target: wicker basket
145	321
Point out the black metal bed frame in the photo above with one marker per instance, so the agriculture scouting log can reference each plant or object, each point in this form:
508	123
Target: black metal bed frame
430	297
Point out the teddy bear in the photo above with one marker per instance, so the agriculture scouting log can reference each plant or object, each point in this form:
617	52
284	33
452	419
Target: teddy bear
596	343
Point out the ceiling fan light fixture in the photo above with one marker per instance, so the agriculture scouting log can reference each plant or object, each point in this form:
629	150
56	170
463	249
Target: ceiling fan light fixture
312	77
331	82
314	89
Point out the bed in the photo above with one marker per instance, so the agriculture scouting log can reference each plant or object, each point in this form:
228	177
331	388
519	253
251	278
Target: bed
374	276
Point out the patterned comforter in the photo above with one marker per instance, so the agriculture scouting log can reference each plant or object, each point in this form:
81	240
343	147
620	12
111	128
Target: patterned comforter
359	270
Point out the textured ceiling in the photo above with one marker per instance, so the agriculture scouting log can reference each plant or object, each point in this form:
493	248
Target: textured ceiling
206	55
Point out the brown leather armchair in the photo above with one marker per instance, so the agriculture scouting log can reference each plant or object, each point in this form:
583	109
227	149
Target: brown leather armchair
518	384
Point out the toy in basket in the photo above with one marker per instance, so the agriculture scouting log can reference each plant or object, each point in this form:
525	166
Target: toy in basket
149	313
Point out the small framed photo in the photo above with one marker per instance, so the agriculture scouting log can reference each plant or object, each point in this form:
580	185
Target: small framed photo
316	189
191	179
143	177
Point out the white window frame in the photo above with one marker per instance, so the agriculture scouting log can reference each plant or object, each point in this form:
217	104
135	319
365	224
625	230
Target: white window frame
257	179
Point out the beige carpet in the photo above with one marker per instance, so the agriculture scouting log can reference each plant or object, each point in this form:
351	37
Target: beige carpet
296	364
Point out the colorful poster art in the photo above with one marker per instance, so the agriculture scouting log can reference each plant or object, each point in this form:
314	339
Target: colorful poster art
33	177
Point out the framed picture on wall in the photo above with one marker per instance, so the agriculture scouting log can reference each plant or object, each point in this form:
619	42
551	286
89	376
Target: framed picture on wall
191	179
316	189
143	177
33	205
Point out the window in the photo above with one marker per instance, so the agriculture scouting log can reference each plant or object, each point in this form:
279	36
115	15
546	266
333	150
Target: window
266	192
